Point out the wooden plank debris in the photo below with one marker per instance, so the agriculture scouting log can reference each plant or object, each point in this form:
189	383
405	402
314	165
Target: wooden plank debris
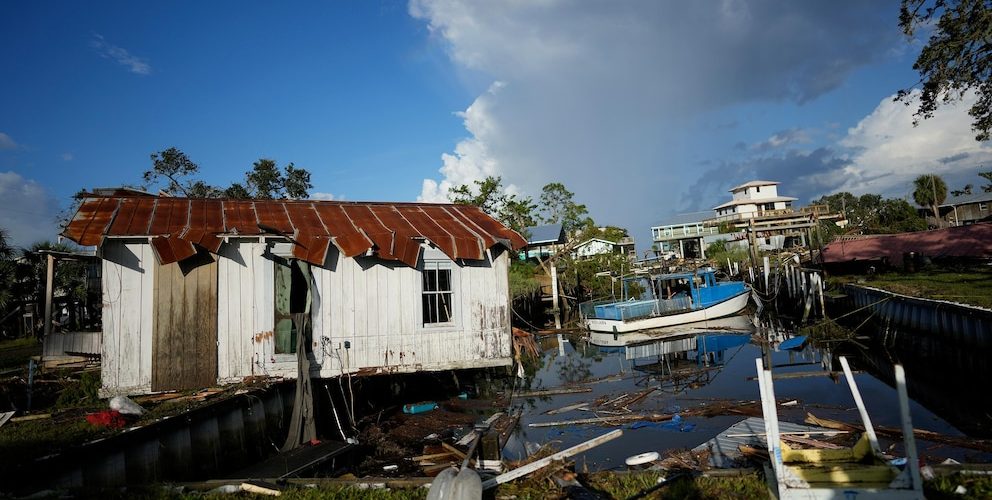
553	392
544	462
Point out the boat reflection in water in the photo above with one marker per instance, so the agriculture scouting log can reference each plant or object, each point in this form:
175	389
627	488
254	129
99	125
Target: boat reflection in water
687	356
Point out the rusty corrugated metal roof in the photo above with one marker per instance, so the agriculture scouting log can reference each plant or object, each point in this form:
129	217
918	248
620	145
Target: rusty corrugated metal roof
177	226
974	240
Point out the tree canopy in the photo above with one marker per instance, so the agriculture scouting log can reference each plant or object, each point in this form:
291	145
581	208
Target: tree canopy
558	206
872	214
956	58
929	191
516	212
263	181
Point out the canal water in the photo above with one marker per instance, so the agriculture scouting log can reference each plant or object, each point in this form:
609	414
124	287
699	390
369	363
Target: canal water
709	363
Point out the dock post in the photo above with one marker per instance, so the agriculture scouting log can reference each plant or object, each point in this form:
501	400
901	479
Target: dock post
554	296
49	291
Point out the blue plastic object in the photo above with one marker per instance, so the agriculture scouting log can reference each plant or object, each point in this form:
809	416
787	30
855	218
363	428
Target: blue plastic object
415	408
793	343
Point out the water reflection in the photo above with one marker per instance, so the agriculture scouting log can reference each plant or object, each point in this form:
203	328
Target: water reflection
712	361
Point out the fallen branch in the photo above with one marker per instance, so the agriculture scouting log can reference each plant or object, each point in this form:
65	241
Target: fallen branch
553	392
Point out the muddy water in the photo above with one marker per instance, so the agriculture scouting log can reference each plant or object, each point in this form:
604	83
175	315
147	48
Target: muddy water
704	363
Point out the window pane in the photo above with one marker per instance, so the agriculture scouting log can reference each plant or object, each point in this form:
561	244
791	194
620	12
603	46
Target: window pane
444	307
444	280
430	280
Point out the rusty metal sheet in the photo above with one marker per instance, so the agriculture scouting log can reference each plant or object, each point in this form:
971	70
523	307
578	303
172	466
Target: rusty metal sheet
304	218
170	216
91	220
346	236
170	249
273	213
395	230
430	229
491	226
239	218
312	248
467	243
364	219
405	243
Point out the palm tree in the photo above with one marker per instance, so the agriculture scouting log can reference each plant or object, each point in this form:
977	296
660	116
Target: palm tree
929	192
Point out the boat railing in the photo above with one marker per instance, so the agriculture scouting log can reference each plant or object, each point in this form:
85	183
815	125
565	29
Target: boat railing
633	309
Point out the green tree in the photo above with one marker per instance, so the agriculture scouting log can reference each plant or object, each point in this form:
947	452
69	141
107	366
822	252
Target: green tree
988	178
8	276
173	165
966	190
516	212
930	191
263	181
870	214
296	182
955	59
558	206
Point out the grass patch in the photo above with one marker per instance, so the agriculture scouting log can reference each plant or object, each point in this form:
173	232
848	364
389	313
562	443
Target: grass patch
702	487
968	286
943	487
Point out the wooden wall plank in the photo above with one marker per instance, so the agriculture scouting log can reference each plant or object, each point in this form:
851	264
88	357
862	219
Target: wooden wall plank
111	316
147	306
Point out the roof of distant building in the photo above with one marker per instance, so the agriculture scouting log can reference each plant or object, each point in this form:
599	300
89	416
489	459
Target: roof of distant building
964	199
686	218
753	184
546	234
756	201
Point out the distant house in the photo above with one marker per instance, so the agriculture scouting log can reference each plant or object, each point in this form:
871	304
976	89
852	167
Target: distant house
200	292
753	199
966	209
685	235
544	241
596	246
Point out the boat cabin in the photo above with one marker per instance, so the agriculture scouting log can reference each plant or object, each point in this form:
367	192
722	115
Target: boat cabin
664	294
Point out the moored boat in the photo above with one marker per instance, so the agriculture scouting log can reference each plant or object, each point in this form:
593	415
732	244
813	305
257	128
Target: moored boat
662	300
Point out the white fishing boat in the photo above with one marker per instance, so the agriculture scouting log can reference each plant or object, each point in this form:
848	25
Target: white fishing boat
664	300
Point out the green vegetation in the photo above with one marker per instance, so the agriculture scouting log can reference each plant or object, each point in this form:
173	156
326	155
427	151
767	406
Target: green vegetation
719	253
930	191
263	181
82	392
955	59
523	278
516	212
969	286
870	214
944	486
621	485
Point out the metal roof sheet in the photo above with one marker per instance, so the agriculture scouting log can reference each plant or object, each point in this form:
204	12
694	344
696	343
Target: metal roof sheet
392	230
964	199
753	184
548	233
974	240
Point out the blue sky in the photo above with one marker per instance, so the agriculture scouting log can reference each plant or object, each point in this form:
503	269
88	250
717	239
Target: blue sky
643	108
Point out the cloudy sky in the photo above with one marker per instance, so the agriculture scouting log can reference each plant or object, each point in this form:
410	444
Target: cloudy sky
642	108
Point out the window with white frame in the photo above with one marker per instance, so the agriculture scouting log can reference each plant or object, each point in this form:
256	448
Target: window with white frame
437	293
983	206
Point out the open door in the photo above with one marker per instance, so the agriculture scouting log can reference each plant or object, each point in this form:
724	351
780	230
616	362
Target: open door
184	345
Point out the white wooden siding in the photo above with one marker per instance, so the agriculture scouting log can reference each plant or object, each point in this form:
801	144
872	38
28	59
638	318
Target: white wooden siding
373	305
126	361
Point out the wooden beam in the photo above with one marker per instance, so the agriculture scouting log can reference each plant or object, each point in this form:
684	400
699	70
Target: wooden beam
544	462
49	291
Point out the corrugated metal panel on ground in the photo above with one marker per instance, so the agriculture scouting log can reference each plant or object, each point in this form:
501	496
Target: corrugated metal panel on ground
724	448
393	230
963	241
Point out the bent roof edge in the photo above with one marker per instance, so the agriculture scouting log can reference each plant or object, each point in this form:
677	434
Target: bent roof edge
175	225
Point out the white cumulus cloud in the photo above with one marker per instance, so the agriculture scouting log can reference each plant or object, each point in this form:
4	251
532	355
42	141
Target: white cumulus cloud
597	95
28	210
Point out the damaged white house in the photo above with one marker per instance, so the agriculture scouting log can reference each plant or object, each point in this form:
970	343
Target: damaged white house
198	292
